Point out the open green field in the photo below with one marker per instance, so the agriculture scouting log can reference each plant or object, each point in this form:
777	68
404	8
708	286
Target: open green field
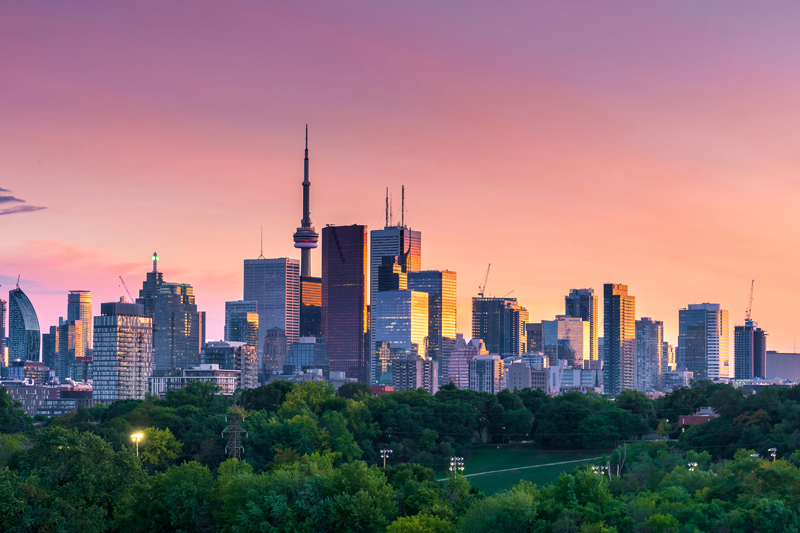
488	458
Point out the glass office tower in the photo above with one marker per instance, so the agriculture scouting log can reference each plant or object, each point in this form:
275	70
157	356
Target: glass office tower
79	307
703	341
24	335
649	354
401	329
750	351
440	285
310	306
177	327
566	338
275	285
345	319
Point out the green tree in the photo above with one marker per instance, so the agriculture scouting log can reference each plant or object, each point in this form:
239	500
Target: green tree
420	524
353	390
512	511
159	446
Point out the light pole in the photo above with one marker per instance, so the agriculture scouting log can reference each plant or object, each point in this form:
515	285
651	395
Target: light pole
598	469
692	466
456	464
773	452
385	454
136	437
754	455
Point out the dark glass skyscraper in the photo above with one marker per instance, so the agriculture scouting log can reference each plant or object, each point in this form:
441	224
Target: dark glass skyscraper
619	312
149	292
582	303
750	351
649	348
703	345
344	298
177	327
2	331
24	336
275	285
501	323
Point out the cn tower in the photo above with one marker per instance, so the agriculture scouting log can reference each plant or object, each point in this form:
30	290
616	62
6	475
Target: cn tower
306	237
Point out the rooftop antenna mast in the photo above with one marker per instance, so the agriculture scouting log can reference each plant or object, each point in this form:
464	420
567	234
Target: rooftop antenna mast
387	208
391	211
403	207
261	255
18	276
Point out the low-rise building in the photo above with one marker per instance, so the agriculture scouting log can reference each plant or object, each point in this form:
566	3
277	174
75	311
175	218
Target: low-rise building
486	373
163	381
31	370
233	356
701	416
31	396
675	379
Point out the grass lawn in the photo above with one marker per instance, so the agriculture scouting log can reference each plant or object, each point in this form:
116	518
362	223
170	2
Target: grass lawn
488	457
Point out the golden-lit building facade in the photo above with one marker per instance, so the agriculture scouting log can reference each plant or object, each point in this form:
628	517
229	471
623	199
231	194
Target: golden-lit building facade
401	325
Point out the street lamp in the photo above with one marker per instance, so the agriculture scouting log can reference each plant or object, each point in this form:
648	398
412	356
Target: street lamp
136	437
773	452
456	464
385	454
692	466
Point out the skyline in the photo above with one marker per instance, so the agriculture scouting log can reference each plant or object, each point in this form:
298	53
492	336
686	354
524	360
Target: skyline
691	135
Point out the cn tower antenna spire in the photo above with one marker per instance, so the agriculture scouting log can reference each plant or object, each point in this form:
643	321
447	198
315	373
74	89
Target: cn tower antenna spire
306	237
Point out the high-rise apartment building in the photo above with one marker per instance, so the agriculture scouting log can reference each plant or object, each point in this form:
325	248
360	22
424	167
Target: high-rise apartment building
401	329
50	344
501	324
463	352
535	340
567	338
668	363
619	339
412	373
582	303
440	285
176	339
703	341
2	331
649	356
486	374
123	352
750	351
345	318
233	356
276	348
70	347
79	307
24	336
275	285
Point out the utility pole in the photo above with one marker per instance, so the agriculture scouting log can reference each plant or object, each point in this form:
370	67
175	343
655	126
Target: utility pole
234	448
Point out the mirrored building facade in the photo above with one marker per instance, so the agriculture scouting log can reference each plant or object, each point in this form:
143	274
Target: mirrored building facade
24	335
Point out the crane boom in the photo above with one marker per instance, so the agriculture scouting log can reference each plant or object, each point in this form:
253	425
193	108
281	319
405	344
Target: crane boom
750	305
482	288
126	290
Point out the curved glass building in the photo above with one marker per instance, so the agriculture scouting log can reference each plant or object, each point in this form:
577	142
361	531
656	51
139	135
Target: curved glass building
24	336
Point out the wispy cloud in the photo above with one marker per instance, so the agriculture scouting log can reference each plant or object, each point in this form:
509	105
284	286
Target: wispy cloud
16	209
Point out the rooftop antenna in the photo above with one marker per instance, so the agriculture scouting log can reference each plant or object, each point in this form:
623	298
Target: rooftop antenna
18	275
403	207
155	262
387	207
261	255
391	211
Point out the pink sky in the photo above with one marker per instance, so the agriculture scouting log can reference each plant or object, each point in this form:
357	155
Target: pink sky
569	144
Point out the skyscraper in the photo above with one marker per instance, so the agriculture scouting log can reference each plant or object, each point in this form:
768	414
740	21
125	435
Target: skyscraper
535	340
703	342
567	338
241	322
649	356
344	299
441	288
486	373
582	303
70	347
149	292
123	352
463	352
233	356
619	312
750	351
79	307
392	240
501	324
275	285
177	327
2	331
276	347
50	346
401	329
24	336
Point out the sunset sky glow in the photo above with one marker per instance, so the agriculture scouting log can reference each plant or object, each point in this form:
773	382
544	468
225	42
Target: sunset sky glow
568	144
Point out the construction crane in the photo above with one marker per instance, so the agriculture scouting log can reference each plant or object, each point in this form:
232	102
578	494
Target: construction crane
482	288
507	294
750	306
126	290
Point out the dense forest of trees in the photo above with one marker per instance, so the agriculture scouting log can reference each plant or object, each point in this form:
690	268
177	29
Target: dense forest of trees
311	462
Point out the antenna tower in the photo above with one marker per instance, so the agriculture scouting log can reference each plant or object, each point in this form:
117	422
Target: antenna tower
261	255
234	448
387	208
403	207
